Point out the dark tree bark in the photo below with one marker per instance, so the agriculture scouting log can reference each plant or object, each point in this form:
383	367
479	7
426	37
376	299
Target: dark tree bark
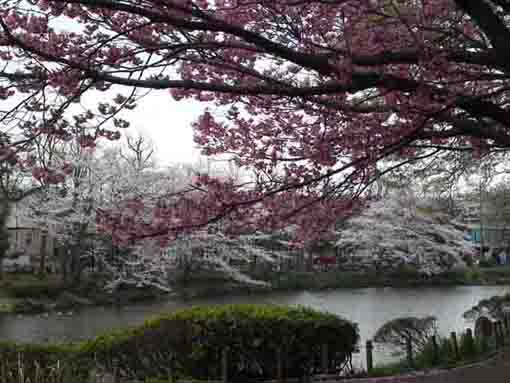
42	256
4	233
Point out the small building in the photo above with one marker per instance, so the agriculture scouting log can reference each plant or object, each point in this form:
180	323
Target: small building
31	247
493	236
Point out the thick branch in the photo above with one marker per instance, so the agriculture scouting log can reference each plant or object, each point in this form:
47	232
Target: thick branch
493	27
319	63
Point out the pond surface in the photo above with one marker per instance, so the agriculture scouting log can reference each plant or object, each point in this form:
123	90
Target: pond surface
369	308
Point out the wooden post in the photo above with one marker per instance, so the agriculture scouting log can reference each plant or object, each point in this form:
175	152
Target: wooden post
470	342
435	349
500	341
495	330
409	349
324	358
370	356
501	333
115	377
171	372
279	365
224	365
306	378
495	333
455	345
469	336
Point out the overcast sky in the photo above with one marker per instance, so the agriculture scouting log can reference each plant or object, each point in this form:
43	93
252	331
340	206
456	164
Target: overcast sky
168	123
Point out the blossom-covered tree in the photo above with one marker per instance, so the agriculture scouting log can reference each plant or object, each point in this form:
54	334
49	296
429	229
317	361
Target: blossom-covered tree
109	178
115	182
311	94
148	264
393	232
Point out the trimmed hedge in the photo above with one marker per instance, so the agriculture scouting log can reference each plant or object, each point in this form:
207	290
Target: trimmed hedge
188	343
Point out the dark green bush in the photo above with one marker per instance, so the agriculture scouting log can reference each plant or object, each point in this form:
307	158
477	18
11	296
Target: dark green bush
195	338
34	290
406	272
189	344
488	262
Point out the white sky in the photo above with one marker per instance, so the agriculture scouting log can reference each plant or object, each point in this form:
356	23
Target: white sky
158	116
168	124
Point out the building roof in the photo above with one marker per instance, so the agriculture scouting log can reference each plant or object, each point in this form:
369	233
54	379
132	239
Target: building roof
17	221
475	226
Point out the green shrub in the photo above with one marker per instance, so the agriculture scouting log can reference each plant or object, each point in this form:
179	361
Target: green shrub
488	262
189	343
474	275
407	273
195	338
34	289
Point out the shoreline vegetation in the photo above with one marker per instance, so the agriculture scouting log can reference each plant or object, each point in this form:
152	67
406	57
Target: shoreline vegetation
316	281
26	294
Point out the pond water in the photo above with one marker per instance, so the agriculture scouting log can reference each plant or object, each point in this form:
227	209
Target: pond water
369	308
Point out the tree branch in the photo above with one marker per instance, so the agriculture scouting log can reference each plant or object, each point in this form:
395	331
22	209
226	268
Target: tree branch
493	27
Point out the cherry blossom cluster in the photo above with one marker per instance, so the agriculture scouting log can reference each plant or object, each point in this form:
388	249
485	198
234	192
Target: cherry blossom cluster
309	96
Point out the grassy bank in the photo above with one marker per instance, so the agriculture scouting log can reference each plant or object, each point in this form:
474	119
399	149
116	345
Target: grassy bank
204	287
401	278
27	294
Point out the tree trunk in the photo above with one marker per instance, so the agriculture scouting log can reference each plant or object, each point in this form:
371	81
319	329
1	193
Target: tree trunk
42	257
75	269
5	210
65	263
482	236
76	250
308	260
63	271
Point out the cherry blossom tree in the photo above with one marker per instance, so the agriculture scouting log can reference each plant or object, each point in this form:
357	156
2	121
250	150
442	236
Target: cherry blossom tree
158	262
393	232
96	180
310	94
148	264
117	181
